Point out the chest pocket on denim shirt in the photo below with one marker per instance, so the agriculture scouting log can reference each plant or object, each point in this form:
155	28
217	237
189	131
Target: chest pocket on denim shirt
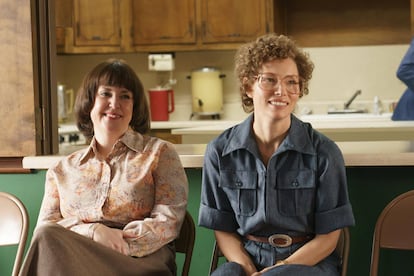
240	187
296	192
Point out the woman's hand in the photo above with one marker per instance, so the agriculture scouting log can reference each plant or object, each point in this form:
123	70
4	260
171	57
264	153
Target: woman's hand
112	238
267	269
232	248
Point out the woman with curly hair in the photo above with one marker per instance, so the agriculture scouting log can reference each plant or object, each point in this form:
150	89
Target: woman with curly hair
274	189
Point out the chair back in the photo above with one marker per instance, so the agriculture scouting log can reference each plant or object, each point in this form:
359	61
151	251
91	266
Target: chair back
342	249
394	228
185	242
215	257
14	226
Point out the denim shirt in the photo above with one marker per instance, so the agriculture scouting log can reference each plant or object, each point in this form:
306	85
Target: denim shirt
303	189
405	72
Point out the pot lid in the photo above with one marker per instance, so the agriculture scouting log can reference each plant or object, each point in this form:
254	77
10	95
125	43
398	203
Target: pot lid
206	69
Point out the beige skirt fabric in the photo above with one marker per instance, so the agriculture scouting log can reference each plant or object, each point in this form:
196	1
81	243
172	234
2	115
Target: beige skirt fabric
55	250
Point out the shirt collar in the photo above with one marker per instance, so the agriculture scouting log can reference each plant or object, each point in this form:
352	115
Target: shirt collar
298	137
131	139
241	137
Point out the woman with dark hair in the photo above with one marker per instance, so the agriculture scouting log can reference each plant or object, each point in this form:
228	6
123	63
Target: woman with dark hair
274	189
115	207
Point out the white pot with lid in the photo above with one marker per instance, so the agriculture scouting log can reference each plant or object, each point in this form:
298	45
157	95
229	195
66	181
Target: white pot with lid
207	91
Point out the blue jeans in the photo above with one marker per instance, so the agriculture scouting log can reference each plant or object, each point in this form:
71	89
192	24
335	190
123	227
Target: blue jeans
234	269
229	268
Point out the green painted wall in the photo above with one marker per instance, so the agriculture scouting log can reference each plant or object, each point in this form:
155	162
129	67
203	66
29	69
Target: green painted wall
29	189
370	189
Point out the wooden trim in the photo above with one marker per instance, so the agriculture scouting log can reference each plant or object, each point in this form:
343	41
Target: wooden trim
12	165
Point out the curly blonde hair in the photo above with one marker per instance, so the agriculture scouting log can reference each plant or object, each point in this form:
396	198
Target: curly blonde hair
251	56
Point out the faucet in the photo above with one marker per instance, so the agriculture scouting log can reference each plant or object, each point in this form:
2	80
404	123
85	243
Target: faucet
348	103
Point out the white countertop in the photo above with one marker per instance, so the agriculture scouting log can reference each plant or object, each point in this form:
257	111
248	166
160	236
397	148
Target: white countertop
314	118
339	127
350	127
365	139
191	155
189	124
71	127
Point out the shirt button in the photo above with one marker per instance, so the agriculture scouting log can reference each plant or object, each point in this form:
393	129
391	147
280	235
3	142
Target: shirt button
295	183
239	183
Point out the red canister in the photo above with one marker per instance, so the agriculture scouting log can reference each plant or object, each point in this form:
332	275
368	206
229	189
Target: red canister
161	103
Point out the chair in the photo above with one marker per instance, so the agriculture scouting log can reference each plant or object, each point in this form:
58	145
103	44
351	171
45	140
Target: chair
394	228
185	242
14	226
342	250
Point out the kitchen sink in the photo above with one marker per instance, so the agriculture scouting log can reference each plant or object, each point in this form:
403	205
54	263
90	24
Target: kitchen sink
347	111
347	117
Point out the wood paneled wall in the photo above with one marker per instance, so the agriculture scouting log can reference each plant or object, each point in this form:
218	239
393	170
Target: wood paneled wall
17	112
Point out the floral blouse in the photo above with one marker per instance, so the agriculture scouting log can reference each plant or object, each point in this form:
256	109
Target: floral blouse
141	188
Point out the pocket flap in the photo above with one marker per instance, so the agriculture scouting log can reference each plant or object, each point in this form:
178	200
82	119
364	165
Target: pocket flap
238	179
296	179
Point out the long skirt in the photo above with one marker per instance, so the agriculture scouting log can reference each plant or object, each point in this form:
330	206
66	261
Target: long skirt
55	250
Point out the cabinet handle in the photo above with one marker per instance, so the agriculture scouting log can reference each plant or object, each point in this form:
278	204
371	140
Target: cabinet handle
203	28
190	27
94	37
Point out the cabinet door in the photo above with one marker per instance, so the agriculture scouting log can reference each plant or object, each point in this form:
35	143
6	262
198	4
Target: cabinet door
233	20
163	22
97	23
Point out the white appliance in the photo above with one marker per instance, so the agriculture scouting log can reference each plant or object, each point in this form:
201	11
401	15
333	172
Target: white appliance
207	92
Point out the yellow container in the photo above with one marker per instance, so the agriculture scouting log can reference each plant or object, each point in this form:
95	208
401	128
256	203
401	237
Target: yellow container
207	91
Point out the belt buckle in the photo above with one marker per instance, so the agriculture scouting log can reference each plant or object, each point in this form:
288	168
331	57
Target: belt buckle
287	240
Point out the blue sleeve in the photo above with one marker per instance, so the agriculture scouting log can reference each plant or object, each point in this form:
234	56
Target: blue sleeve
333	208
405	71
215	209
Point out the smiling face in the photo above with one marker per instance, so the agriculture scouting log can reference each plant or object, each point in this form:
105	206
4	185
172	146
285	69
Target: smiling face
275	104
112	111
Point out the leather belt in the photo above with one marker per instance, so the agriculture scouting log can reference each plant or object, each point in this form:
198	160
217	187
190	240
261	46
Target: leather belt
280	240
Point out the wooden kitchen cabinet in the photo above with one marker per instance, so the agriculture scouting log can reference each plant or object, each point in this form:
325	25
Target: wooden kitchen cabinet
322	23
159	25
91	26
164	25
163	22
234	21
96	23
198	24
122	26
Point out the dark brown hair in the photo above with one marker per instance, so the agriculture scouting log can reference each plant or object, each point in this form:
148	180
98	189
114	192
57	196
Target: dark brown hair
113	73
251	56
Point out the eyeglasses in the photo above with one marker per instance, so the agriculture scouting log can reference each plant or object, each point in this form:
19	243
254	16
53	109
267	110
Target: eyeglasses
270	82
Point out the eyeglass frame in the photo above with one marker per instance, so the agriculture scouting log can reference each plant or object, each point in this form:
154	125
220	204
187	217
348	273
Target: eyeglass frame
280	83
